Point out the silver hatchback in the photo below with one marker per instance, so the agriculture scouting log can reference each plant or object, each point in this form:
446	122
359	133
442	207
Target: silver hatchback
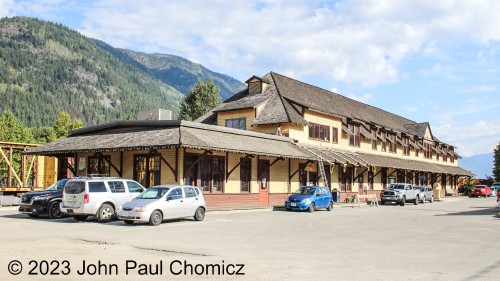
163	202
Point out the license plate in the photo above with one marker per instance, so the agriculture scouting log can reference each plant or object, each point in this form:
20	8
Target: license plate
71	204
294	204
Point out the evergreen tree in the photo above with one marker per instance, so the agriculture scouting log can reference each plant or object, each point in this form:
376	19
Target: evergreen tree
201	98
496	163
63	125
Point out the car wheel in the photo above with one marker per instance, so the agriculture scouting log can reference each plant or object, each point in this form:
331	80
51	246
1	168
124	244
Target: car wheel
432	199
55	211
80	217
105	213
199	215
417	199
403	201
312	207
128	221
423	200
156	218
330	206
33	215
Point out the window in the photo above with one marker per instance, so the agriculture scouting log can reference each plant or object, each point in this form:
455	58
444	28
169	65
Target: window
427	150
384	141
134	187
335	135
237	123
445	157
116	186
319	132
97	186
354	136
374	140
176	193
147	169
99	165
406	146
212	173
302	175
189	192
392	143
245	174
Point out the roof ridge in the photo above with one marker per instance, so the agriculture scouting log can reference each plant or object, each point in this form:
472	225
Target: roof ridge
342	96
281	97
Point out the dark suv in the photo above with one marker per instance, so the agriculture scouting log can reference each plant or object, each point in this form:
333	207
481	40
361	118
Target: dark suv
44	202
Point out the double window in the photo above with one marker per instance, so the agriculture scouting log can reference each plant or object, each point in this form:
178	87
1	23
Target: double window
237	123
406	145
354	135
99	165
427	150
392	142
319	132
147	169
207	173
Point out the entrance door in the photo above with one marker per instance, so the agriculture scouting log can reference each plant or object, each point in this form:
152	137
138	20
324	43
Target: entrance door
263	171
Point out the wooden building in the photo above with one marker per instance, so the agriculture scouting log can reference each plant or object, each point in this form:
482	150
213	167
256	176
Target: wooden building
264	142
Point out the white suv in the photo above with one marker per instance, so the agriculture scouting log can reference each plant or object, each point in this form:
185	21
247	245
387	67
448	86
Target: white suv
97	196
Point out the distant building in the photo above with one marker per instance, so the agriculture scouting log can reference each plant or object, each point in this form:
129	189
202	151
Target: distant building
155	114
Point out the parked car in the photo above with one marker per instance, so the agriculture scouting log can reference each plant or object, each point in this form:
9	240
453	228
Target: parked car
400	193
426	193
481	190
43	202
163	202
495	188
310	198
97	196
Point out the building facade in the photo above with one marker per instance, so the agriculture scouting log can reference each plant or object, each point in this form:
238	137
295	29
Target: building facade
265	142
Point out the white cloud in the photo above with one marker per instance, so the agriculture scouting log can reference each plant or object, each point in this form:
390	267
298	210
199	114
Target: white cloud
481	88
6	7
350	41
475	138
366	98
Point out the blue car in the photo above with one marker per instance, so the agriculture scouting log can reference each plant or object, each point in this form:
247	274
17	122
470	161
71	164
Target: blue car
310	198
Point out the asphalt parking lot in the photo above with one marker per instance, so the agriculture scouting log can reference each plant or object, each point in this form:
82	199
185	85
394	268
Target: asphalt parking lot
456	239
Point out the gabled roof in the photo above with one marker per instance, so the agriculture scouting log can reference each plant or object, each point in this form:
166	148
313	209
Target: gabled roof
283	91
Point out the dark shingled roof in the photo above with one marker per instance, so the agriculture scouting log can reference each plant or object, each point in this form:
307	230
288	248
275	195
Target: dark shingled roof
283	91
127	135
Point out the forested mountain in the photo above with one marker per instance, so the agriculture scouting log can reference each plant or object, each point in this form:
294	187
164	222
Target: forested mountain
46	68
178	72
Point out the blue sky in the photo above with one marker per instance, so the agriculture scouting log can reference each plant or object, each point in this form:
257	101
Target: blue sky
434	61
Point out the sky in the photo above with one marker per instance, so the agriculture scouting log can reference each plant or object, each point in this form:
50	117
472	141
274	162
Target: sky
429	61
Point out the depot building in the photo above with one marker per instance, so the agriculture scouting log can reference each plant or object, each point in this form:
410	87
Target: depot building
263	143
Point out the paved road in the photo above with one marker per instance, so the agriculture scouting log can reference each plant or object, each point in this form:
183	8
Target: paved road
453	240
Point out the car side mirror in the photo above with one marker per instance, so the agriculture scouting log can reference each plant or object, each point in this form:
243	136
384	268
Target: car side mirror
169	198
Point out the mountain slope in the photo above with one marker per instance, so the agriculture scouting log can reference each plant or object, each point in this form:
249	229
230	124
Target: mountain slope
46	68
481	164
179	72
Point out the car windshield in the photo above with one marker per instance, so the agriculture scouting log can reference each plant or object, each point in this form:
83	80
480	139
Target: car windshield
58	185
305	191
153	193
397	186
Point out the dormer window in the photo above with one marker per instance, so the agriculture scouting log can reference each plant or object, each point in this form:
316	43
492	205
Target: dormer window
256	85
